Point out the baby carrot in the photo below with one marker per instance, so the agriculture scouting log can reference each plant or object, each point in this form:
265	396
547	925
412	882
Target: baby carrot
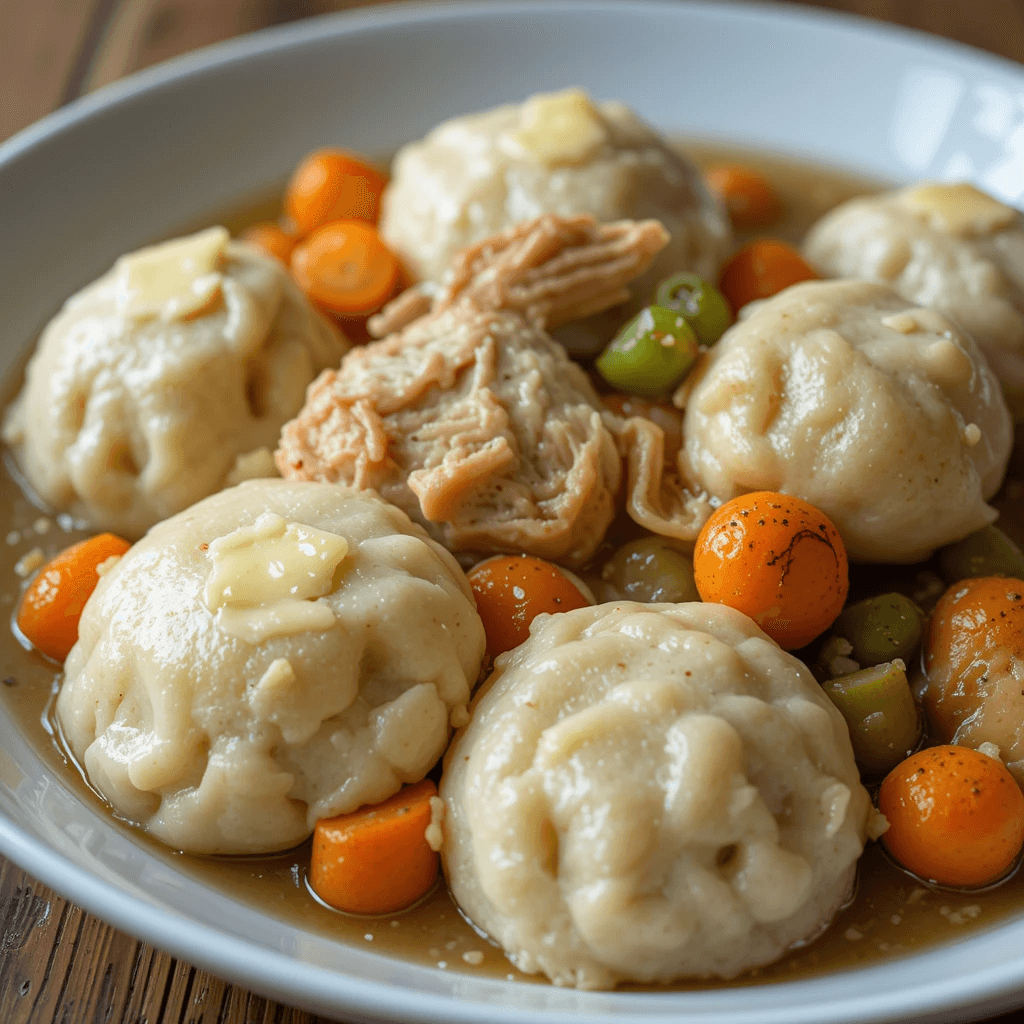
330	184
345	267
52	605
376	860
761	269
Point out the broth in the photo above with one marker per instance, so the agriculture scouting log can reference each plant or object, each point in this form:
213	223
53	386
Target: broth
891	914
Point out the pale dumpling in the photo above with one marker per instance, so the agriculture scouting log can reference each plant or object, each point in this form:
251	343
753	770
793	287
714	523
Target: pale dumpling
480	174
882	414
278	653
168	378
947	246
651	792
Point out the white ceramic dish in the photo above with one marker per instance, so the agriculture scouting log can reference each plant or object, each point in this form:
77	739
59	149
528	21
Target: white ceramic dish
189	138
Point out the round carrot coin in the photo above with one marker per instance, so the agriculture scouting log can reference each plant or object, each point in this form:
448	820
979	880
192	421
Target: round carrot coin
511	591
761	269
345	267
956	816
749	197
331	184
52	605
271	238
777	559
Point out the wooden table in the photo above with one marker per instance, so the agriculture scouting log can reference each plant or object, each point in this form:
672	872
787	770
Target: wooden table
58	963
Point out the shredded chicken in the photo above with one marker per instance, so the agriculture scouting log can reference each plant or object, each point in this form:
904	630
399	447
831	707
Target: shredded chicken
469	416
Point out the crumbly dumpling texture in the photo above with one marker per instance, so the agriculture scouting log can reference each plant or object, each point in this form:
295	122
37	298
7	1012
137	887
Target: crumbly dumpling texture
474	176
884	415
651	792
225	707
469	416
153	382
946	246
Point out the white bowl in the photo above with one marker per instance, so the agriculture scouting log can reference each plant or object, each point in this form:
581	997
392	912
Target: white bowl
188	139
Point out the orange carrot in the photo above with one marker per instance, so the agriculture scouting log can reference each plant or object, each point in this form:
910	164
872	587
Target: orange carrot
749	196
761	269
330	184
376	860
52	605
777	559
511	591
271	238
956	816
345	267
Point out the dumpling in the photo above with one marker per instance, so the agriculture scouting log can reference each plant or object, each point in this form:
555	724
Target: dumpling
469	416
278	653
946	246
152	382
651	792
884	415
561	153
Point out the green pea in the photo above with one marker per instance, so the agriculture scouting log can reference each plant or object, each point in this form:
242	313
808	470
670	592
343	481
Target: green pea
988	552
880	713
881	628
651	569
651	354
702	304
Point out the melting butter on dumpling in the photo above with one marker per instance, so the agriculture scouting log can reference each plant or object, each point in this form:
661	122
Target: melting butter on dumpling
164	380
278	653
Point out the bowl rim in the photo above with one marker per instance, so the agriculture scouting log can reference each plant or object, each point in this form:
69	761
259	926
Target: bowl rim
317	988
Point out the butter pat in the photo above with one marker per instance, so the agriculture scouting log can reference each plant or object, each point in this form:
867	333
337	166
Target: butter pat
960	209
173	280
561	127
265	578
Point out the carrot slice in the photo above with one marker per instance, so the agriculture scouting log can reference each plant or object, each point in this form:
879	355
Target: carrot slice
376	860
761	269
345	267
271	238
512	590
749	197
955	815
330	184
52	605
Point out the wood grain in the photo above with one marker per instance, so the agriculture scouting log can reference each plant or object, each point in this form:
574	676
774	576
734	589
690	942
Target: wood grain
59	965
40	44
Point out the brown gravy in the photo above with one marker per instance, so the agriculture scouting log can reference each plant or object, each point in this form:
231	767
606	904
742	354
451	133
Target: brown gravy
891	914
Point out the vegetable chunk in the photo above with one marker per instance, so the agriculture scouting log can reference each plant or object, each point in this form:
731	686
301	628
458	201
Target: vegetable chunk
376	860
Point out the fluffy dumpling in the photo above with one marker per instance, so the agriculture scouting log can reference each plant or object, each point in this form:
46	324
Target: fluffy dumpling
478	175
278	653
882	414
469	416
946	246
151	383
651	792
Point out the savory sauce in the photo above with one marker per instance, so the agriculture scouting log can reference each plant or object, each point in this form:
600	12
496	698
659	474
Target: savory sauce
891	914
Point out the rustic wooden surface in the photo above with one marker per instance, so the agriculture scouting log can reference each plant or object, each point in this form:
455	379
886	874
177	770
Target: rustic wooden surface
58	963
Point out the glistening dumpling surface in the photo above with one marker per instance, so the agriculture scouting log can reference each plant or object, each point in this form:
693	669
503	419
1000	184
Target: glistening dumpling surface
481	174
651	792
151	382
218	742
945	246
883	415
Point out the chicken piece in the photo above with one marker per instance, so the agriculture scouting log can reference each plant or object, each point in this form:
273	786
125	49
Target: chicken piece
471	418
